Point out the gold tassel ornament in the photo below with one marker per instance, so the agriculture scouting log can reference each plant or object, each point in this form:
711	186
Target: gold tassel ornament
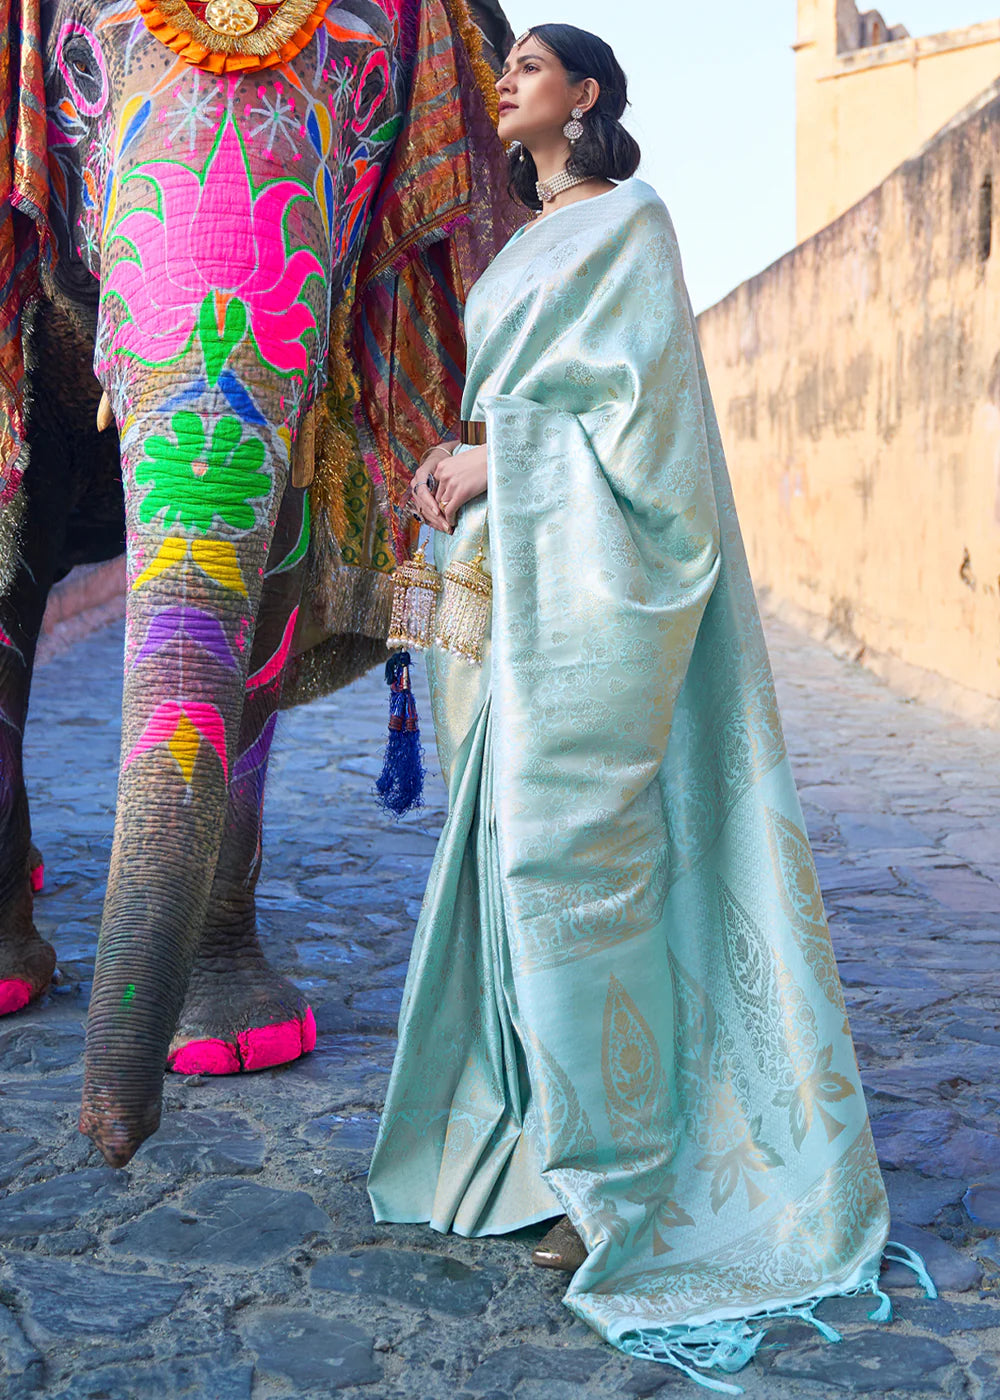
463	614
415	586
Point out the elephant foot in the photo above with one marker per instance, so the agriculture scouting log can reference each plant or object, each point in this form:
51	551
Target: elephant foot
26	968
241	1021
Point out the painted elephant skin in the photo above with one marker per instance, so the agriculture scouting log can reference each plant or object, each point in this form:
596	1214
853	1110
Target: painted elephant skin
205	227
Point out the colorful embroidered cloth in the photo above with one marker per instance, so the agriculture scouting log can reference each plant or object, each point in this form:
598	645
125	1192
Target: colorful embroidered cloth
622	1001
397	350
441	213
24	194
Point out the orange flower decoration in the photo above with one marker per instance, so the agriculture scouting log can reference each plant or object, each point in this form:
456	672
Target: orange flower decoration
249	35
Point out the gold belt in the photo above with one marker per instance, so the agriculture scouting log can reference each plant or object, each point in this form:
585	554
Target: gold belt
472	433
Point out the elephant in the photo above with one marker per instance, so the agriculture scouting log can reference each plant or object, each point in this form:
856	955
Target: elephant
235	240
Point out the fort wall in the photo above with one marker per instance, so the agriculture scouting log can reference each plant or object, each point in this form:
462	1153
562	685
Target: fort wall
868	95
857	382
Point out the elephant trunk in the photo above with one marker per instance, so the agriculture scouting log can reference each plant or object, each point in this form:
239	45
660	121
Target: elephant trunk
201	501
212	330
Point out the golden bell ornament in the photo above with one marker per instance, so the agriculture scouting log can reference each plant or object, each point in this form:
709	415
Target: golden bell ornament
463	614
415	586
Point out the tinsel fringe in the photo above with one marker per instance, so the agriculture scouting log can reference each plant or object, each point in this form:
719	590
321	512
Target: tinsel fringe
335	662
11	522
473	41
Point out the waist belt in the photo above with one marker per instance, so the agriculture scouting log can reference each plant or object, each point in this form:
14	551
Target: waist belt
472	433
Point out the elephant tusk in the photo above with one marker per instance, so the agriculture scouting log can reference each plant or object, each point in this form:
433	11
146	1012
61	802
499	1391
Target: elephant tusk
304	453
104	415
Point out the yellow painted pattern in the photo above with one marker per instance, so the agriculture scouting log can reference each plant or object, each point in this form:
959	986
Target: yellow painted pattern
170	552
184	744
218	559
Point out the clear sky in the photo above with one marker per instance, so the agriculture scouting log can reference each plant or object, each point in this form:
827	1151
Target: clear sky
712	87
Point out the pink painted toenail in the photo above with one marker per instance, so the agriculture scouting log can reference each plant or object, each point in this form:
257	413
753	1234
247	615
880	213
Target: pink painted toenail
205	1057
308	1031
37	877
271	1045
14	993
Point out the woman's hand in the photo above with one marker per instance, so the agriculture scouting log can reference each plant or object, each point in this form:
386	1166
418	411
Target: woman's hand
419	497
459	480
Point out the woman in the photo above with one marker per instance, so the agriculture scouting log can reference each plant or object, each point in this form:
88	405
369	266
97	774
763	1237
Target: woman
622	1005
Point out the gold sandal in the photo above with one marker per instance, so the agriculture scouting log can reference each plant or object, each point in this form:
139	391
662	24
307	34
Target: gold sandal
562	1248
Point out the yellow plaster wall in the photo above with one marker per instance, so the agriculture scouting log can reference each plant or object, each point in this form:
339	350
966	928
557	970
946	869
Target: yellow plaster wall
858	387
861	113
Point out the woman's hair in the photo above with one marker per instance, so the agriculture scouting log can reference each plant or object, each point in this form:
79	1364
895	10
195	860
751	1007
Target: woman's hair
605	150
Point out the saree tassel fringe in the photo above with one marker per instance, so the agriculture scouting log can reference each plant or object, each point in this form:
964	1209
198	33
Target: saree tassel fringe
729	1345
400	785
903	1254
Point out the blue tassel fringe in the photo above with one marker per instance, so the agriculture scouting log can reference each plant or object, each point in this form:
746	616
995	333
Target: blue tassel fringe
400	785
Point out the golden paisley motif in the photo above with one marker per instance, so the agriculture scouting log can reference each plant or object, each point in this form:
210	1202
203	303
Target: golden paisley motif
781	1024
567	1125
714	1097
802	902
638	1109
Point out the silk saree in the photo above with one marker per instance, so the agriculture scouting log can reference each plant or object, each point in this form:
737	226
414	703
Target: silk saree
622	1003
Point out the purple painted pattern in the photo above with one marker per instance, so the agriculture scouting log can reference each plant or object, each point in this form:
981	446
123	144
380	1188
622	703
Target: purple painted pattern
194	625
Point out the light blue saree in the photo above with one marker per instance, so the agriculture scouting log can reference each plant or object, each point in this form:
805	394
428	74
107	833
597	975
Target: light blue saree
622	1002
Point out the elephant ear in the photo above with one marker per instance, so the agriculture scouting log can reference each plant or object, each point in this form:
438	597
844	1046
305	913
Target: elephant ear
497	34
441	213
24	228
397	365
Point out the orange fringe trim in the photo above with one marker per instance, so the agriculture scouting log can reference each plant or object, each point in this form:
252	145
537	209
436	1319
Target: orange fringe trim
278	41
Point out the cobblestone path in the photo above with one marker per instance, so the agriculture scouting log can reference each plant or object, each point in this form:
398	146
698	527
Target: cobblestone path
236	1257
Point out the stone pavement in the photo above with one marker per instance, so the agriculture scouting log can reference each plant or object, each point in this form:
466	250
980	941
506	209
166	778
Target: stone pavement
235	1259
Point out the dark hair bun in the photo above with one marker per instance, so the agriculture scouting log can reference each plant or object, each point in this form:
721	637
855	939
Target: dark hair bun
606	150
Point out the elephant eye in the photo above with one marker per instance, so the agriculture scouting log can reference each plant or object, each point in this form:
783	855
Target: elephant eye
81	61
82	66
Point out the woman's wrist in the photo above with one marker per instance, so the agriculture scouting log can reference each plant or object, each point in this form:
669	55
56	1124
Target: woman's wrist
436	453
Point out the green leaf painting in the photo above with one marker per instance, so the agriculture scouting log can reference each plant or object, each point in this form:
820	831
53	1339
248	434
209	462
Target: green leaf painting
216	341
195	485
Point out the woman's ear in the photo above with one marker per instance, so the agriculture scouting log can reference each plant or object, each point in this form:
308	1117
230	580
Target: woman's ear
24	222
590	91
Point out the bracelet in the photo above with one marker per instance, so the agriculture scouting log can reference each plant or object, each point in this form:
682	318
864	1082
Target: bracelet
438	447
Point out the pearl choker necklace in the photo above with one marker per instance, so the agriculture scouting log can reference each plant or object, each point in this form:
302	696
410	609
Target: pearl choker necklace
548	189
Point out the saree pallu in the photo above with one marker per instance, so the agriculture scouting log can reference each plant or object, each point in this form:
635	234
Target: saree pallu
622	1002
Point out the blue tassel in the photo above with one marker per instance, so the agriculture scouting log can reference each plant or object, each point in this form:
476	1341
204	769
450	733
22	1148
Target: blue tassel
400	785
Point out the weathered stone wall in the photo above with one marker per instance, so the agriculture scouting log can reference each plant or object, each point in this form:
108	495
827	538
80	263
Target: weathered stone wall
88	597
858	29
868	96
858	385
